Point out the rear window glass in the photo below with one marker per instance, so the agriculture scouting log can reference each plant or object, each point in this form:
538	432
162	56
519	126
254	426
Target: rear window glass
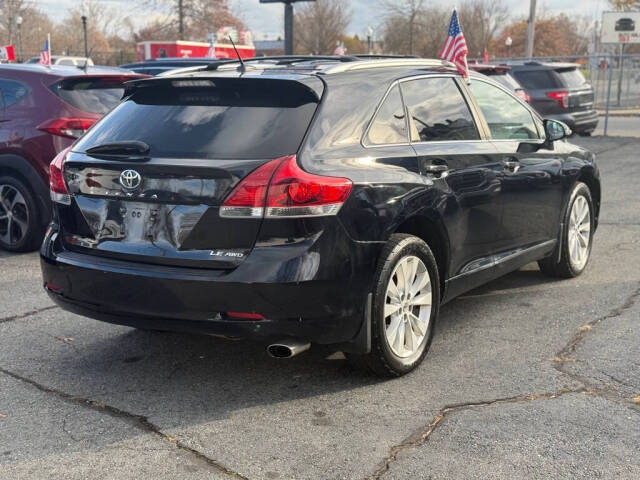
247	121
390	125
571	77
507	81
536	79
94	95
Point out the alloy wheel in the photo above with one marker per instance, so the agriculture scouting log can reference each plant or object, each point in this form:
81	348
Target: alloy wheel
579	232
14	215
407	308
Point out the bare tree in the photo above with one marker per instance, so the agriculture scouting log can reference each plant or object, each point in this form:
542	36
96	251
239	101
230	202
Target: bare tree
10	10
319	25
189	19
480	21
409	10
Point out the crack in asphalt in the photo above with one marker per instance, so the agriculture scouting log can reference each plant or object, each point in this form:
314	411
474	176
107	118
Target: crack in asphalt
563	355
420	437
138	421
27	314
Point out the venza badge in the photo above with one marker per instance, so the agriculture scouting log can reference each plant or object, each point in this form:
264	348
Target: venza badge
130	179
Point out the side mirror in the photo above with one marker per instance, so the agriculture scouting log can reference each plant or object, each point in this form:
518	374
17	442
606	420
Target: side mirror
556	130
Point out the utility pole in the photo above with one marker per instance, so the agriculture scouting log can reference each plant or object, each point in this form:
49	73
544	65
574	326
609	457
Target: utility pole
180	20
84	28
19	24
531	28
288	22
288	28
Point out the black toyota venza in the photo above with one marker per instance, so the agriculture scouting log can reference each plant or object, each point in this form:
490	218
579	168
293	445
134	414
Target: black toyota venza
313	200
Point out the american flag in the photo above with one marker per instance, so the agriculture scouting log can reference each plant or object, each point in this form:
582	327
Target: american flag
455	48
45	53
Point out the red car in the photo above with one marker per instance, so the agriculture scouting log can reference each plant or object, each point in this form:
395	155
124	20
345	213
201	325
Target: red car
42	111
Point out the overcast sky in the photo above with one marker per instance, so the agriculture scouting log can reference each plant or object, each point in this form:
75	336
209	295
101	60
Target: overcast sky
266	20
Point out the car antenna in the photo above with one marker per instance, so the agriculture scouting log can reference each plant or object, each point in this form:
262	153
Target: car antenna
86	61
243	68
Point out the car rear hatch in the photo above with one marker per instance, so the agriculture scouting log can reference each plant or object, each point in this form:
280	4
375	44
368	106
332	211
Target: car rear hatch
580	92
148	180
89	96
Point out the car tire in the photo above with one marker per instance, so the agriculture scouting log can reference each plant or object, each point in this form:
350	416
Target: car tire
414	320
22	229
570	263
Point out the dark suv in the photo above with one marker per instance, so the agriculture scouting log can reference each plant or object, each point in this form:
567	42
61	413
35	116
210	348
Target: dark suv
559	91
334	201
42	111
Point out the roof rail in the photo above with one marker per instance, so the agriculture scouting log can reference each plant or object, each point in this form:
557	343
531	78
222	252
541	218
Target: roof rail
288	60
374	56
389	62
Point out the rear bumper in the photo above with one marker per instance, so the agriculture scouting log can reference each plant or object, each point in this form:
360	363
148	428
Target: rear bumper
579	122
301	292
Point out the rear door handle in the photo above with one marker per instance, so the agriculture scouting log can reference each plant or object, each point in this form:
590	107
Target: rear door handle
437	169
511	164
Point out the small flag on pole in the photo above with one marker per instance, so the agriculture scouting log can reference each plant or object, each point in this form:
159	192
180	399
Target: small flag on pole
485	56
45	53
455	47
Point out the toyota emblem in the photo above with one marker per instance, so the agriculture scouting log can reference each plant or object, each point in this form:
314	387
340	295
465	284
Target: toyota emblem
130	179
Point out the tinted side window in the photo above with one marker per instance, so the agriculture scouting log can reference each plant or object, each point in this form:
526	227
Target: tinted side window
389	125
437	111
13	92
507	118
536	79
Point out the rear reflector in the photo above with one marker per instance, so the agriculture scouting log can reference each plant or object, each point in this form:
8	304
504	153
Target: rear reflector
562	97
67	127
280	188
53	287
245	316
57	185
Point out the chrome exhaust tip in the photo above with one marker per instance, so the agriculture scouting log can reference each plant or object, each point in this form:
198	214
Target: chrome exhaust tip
287	348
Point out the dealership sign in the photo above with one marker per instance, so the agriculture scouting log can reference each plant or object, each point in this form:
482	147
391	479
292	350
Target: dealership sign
620	27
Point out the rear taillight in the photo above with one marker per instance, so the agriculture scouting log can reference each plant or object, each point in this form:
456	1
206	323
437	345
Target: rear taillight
57	185
280	188
67	127
562	97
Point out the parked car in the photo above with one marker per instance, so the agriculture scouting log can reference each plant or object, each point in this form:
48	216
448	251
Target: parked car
155	66
559	91
502	75
65	60
313	201
42	111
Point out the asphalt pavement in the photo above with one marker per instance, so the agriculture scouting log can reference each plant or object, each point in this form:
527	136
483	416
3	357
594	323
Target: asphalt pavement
527	377
619	126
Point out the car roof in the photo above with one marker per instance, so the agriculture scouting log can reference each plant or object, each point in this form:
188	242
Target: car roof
323	66
64	70
521	65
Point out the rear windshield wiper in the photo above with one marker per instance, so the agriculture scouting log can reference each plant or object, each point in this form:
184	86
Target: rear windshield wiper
130	150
